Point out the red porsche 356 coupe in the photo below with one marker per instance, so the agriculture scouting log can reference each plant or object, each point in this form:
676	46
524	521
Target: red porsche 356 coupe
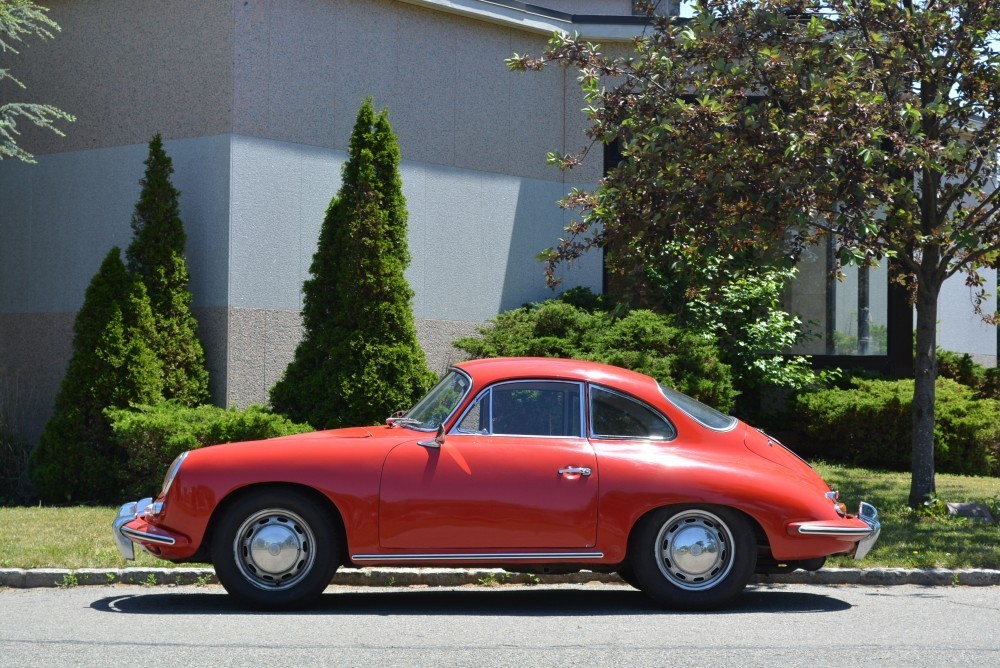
533	465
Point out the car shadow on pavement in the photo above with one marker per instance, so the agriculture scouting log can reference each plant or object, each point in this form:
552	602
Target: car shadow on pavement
479	602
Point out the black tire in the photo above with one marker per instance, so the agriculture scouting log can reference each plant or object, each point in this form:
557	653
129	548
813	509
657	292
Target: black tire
693	557
626	573
275	550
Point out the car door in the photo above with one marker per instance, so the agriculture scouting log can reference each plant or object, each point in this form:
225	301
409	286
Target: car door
514	473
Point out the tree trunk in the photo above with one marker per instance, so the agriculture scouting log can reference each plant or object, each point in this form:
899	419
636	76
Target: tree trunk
922	480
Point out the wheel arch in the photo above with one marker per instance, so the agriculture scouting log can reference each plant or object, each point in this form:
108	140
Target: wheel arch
255	488
763	543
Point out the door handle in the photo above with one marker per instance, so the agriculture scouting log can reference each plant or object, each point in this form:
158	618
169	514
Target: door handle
582	470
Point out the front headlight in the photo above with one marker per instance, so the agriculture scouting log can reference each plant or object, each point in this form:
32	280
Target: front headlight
172	473
151	510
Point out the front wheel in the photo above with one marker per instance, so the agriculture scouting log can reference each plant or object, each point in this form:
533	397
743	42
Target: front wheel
693	558
275	550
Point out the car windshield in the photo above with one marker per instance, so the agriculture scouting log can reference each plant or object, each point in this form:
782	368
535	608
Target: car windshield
439	403
705	415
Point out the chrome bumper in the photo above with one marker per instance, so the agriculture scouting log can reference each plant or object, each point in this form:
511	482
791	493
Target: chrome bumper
868	534
126	538
869	515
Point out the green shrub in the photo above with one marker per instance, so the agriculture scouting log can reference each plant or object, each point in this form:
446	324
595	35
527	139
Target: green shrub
152	436
641	340
359	360
869	424
112	366
960	367
156	257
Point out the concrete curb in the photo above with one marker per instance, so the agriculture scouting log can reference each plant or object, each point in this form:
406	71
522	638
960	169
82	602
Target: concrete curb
19	578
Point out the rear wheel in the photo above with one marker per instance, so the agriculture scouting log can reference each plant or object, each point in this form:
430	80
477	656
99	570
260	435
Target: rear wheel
275	550
693	558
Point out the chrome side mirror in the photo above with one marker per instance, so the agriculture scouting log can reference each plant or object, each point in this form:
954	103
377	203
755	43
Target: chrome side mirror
437	441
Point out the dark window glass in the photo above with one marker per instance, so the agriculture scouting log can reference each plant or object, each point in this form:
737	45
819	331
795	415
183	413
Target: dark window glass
477	419
540	408
706	415
616	416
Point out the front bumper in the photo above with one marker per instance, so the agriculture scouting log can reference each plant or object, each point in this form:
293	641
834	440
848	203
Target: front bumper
130	528
865	528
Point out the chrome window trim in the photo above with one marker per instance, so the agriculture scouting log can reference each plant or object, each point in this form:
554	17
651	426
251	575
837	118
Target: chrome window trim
594	435
489	390
457	406
732	425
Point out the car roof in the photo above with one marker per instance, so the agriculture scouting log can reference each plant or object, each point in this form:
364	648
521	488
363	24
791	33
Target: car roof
491	370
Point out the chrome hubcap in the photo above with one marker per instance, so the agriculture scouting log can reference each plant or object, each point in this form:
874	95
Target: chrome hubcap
694	550
274	549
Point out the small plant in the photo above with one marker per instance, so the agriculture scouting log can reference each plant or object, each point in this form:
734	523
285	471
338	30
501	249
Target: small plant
493	579
111	578
203	580
532	579
69	580
150	580
392	581
934	508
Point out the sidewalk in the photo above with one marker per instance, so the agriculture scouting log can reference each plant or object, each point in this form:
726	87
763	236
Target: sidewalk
19	578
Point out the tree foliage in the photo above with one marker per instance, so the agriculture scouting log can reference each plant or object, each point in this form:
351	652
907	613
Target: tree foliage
156	257
21	20
764	125
359	359
577	326
112	365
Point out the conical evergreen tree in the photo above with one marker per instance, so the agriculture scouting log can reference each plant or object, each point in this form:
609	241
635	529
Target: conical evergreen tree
359	359
156	256
112	365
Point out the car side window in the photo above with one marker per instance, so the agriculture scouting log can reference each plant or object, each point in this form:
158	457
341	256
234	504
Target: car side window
477	418
615	415
526	408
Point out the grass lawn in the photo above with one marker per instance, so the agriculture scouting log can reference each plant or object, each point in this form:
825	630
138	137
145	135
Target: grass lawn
71	537
915	539
80	536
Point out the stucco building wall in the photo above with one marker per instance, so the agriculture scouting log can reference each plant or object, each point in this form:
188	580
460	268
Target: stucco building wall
256	101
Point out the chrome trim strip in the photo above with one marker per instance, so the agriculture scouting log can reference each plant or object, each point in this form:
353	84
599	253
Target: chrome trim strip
132	534
478	556
834	531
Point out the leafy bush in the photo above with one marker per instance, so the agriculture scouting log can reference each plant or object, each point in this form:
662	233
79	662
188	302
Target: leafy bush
962	368
156	257
745	316
641	340
112	365
152	436
869	424
359	360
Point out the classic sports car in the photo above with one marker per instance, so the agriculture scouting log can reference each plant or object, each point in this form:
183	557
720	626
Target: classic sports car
533	465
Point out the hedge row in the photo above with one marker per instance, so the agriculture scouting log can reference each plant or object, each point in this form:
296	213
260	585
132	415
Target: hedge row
869	424
576	326
152	436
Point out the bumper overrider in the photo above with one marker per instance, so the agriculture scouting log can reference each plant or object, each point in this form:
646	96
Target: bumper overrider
863	528
131	528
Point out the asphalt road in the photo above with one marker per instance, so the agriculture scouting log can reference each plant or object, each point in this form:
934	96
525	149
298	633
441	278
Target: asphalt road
587	625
